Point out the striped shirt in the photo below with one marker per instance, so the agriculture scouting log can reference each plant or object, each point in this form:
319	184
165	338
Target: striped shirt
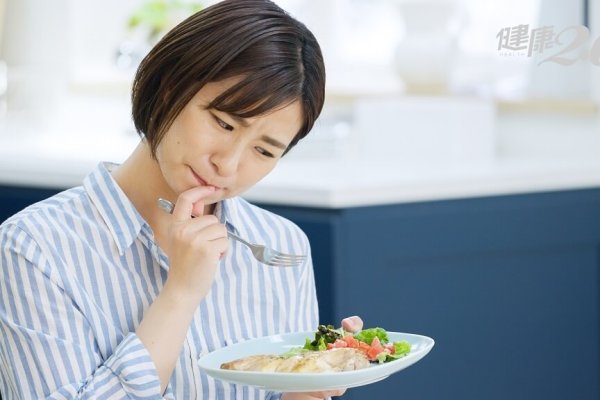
78	270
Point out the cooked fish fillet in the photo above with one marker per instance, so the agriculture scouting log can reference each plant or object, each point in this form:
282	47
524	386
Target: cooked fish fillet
334	360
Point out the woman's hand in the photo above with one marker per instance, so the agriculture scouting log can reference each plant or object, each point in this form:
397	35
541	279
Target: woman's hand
194	245
350	324
313	395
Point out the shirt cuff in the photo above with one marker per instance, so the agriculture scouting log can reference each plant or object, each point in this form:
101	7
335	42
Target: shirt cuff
273	396
132	365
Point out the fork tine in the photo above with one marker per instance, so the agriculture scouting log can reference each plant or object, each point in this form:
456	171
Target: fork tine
288	257
278	253
282	263
275	253
287	260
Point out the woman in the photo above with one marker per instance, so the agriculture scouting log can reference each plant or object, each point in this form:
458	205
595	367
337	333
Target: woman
104	295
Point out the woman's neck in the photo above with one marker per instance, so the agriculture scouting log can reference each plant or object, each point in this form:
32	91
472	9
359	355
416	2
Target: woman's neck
142	181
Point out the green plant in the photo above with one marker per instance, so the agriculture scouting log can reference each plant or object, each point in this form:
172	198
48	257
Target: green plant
158	16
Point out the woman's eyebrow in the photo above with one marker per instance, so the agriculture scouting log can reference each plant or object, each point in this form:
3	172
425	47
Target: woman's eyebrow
239	120
264	138
273	142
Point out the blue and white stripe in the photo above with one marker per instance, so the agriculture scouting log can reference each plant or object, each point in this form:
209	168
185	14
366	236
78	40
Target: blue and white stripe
77	272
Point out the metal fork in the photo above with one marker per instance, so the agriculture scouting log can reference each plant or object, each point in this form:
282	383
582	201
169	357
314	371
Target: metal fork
262	253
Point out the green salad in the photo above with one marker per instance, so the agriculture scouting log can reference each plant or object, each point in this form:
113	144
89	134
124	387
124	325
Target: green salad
373	342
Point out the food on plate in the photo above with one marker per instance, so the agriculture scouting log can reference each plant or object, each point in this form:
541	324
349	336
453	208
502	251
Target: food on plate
311	361
331	350
374	342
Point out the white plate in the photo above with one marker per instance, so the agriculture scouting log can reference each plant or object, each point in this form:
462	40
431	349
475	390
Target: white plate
306	382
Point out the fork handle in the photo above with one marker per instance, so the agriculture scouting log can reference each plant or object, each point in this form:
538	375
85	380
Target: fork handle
239	239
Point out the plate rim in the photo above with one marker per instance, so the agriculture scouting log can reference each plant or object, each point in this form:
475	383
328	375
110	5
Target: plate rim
237	377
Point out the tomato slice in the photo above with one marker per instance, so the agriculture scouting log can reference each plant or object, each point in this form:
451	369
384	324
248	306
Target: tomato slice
371	351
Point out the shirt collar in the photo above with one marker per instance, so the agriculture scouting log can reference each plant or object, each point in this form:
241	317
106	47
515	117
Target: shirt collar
118	212
227	213
122	218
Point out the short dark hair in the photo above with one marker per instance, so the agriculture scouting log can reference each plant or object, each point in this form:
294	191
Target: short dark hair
277	57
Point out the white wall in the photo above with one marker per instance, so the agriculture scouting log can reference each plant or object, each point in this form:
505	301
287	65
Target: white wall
96	28
552	80
595	34
35	49
80	38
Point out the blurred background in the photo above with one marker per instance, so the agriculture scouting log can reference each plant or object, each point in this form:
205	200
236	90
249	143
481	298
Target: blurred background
450	188
67	62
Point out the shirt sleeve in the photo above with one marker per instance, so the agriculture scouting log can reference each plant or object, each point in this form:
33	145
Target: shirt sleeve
273	396
47	348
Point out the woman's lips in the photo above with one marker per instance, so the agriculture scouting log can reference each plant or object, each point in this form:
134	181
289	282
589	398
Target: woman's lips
201	181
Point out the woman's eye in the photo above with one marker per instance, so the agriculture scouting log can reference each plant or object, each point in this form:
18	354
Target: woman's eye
223	124
264	152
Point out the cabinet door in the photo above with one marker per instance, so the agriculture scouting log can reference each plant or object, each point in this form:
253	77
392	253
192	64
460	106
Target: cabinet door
13	199
509	287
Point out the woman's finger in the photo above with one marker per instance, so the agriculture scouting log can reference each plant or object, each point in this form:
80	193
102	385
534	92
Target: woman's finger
209	232
335	393
195	226
184	206
352	324
322	395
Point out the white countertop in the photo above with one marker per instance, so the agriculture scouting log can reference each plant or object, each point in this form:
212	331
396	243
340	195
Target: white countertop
332	184
62	157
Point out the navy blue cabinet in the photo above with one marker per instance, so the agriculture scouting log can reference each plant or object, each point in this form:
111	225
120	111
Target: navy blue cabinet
508	286
14	198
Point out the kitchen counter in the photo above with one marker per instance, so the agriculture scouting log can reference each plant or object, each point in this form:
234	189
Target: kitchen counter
340	184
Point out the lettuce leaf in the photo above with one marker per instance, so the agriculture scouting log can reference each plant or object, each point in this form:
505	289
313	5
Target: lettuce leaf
401	349
294	351
368	335
315	345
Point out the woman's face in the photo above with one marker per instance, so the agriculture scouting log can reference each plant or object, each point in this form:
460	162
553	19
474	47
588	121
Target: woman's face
206	147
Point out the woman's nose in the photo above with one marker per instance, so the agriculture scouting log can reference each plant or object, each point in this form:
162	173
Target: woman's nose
226	160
